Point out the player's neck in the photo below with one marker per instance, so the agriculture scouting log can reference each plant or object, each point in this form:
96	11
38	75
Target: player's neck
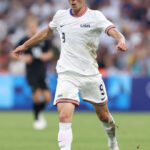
79	12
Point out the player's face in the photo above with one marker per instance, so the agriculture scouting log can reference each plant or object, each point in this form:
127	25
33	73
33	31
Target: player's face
76	4
32	27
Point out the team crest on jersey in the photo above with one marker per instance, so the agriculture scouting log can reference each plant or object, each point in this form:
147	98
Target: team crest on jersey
85	25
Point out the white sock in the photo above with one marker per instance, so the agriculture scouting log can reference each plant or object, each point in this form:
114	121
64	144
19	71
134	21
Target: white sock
65	136
110	130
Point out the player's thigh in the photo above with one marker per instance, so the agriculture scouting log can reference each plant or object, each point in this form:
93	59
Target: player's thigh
66	111
93	90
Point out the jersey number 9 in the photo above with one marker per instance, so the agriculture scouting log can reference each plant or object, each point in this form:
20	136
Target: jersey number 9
63	37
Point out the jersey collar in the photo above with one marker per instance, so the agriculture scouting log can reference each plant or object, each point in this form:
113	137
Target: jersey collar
78	15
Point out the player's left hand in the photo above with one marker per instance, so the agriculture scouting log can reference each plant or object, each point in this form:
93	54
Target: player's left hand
121	46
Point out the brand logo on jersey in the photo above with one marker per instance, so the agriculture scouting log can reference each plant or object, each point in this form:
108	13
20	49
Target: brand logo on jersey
59	95
85	25
103	98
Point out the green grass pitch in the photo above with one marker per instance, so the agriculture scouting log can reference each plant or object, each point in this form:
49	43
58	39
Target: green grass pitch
16	132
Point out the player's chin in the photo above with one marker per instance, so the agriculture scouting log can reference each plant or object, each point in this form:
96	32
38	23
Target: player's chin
122	50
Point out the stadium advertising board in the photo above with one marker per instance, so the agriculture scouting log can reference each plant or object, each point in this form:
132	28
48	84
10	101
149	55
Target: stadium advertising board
125	93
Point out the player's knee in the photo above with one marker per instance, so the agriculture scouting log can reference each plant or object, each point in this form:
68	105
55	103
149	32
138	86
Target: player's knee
36	96
64	117
47	96
47	99
64	138
104	117
36	100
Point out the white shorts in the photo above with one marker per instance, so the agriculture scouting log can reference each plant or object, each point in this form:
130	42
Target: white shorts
91	88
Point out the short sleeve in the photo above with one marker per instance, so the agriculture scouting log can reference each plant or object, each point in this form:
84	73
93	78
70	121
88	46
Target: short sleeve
103	23
54	23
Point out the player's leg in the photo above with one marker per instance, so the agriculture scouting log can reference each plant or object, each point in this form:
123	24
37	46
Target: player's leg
93	91
36	102
36	92
65	137
40	122
46	94
66	98
108	124
41	97
46	99
33	80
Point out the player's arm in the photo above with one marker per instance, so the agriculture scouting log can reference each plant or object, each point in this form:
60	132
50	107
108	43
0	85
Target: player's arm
121	43
27	58
37	38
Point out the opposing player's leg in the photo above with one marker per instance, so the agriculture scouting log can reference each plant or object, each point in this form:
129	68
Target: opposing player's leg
46	94
65	137
108	124
41	98
41	122
37	84
38	106
36	93
44	90
36	102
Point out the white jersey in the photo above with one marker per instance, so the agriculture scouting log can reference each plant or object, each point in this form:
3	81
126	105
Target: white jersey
79	40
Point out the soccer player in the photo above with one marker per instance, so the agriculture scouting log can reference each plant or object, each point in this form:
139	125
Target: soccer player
79	28
35	59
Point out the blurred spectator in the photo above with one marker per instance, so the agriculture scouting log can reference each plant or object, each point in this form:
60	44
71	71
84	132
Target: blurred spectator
132	17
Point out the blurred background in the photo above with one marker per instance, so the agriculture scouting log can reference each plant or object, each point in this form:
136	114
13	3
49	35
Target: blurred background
126	75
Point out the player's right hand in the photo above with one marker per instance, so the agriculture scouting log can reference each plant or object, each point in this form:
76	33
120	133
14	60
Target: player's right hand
121	46
18	51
